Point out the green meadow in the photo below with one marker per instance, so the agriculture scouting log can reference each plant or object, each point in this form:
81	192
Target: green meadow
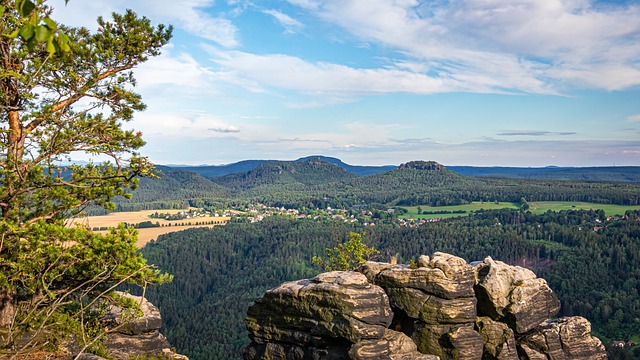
539	207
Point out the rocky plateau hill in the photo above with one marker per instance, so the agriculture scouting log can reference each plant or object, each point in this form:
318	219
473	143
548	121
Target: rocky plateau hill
440	308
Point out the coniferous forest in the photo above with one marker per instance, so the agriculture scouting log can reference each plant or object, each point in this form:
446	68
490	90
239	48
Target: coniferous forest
592	264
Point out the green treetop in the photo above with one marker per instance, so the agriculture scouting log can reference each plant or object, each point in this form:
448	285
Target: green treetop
65	90
347	255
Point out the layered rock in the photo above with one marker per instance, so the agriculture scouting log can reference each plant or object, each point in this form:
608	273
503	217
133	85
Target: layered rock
439	308
321	316
562	339
499	339
514	295
136	335
437	296
128	335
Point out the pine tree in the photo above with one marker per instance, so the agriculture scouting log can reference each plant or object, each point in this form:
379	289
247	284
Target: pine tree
65	90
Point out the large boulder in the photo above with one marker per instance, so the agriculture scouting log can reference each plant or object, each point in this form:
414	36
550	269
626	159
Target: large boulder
513	295
432	309
567	338
135	334
333	309
147	321
443	275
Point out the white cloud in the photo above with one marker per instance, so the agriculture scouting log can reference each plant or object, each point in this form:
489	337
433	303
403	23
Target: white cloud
225	129
178	73
290	24
565	43
289	72
183	124
634	118
189	15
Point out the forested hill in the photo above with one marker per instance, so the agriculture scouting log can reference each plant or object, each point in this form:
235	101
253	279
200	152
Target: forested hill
610	173
314	183
173	188
212	171
287	173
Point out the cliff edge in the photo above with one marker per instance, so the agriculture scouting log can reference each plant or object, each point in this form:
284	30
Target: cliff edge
440	308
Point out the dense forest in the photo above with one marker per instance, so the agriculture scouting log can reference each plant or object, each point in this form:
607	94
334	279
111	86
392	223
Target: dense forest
592	264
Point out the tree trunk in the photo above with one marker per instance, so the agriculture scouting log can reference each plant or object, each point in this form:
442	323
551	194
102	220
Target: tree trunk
7	307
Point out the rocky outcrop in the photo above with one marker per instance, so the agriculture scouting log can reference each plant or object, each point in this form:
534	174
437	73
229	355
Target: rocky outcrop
137	335
128	335
565	338
508	294
422	165
440	308
438	300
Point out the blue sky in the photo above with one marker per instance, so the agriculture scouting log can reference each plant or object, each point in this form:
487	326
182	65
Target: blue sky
372	82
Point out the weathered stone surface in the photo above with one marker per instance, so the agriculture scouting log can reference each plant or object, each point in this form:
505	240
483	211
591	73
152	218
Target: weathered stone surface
567	338
122	346
336	305
136	334
150	321
341	315
444	275
393	346
371	269
514	295
499	339
432	309
467	343
449	342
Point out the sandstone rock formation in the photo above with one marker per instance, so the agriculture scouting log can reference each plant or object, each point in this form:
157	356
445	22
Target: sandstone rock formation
130	335
443	308
139	336
507	294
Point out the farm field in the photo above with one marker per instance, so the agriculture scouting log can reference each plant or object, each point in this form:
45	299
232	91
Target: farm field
539	207
147	234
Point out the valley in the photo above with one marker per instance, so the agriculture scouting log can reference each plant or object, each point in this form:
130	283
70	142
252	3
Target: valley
582	236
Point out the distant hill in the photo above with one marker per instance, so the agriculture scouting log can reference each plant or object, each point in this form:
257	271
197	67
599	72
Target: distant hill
211	171
609	173
313	182
305	172
173	188
362	170
605	173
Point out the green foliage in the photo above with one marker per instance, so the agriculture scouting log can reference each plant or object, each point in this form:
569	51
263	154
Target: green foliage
32	24
346	256
53	274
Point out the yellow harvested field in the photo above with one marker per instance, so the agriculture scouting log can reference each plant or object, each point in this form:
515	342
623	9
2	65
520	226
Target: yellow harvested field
147	234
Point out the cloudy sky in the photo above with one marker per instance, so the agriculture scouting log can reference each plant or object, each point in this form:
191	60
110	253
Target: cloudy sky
461	82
